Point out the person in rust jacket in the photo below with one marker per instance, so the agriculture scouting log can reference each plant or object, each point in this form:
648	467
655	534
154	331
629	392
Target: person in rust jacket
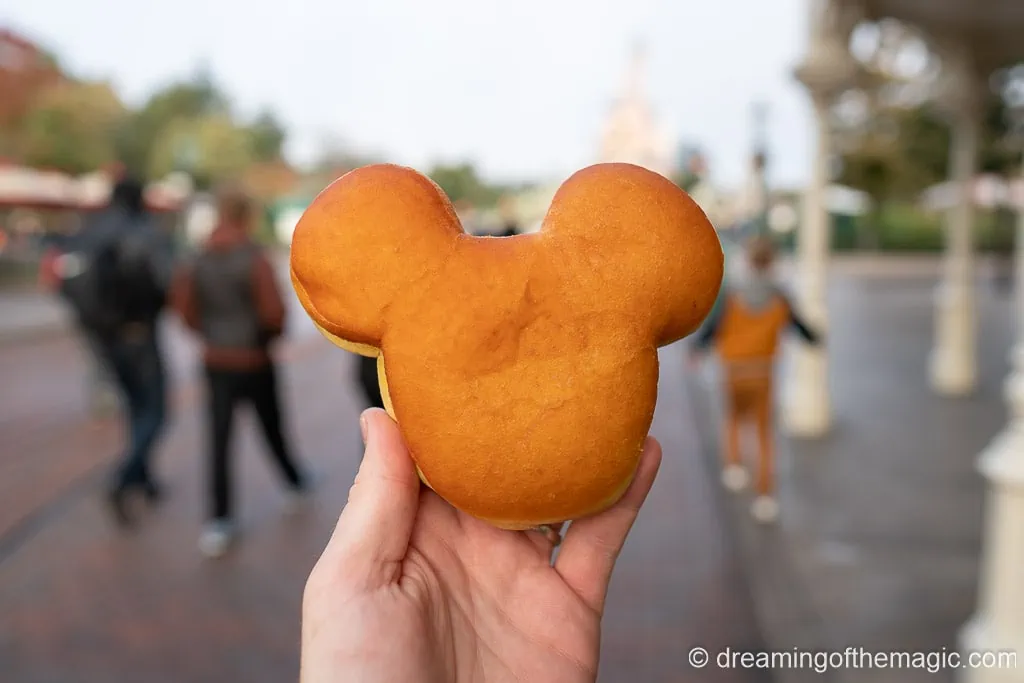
228	294
745	331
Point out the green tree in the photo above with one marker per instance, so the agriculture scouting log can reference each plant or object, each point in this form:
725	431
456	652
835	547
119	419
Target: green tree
71	127
913	154
462	184
179	101
268	137
211	147
925	141
923	144
997	156
901	152
872	169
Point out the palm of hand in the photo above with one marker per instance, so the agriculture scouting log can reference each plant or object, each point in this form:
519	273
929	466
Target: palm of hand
459	600
503	612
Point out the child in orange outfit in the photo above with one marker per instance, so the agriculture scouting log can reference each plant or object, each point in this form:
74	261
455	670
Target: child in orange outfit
745	332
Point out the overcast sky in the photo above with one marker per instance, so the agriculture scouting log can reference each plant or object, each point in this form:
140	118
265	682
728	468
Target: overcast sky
518	86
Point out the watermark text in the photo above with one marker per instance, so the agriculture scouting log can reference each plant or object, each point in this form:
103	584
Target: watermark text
932	661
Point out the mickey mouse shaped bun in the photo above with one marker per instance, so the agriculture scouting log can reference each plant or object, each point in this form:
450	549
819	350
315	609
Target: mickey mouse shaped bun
522	371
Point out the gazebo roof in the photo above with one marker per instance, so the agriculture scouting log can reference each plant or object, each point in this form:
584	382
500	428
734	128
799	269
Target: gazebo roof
993	27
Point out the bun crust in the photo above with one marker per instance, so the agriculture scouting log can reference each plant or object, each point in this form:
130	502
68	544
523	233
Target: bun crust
522	371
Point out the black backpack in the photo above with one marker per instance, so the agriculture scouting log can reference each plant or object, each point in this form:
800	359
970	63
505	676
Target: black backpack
115	285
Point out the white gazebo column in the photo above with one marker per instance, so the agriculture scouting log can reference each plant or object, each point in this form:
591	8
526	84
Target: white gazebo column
998	623
952	365
826	72
807	408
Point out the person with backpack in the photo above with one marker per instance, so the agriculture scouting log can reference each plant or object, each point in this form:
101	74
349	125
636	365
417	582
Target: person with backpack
116	273
229	296
100	387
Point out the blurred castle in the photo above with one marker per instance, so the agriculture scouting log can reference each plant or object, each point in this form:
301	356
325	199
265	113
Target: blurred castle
631	132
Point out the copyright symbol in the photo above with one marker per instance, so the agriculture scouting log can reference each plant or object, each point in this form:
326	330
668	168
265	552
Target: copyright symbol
698	657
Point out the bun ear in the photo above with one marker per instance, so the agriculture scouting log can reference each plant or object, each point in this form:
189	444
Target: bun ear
367	237
634	235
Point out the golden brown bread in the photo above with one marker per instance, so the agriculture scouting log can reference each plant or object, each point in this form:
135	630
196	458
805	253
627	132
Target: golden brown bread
522	371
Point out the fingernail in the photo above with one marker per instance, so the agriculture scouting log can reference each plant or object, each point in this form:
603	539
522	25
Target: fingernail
364	427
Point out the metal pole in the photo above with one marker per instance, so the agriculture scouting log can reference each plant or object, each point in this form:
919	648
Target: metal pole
761	164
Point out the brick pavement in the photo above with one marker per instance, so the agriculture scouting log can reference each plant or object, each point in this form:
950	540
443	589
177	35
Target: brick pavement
84	603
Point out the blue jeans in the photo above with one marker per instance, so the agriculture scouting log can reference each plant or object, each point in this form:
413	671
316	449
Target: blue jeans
139	370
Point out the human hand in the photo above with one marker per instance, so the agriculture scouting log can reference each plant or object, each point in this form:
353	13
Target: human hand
410	589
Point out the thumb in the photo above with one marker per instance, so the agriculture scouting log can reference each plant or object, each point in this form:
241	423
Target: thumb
373	531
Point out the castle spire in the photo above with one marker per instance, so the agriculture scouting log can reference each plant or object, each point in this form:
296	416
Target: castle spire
630	133
637	70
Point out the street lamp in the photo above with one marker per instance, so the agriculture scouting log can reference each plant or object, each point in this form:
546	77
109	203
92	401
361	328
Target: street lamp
760	115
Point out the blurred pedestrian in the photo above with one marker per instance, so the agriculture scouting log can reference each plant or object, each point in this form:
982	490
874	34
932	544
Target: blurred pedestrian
744	331
100	385
369	382
116	272
510	229
510	223
229	295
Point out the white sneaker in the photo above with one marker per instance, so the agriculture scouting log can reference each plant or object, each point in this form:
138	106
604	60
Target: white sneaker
216	537
765	509
735	477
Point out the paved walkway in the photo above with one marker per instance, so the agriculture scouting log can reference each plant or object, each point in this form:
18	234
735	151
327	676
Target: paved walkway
879	539
84	603
27	314
877	547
